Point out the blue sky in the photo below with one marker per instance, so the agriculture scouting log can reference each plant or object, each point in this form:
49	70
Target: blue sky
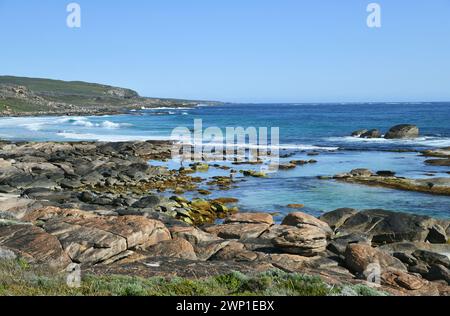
237	50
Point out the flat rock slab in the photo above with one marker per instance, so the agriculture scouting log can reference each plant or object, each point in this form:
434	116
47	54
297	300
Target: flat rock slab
251	218
34	244
97	239
306	241
237	230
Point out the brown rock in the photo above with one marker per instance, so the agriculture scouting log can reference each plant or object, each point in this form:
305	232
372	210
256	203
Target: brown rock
34	244
301	220
401	279
176	248
192	234
251	218
358	257
237	230
306	241
94	240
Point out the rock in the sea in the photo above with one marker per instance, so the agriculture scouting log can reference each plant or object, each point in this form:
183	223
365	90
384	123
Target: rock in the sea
176	248
301	220
251	218
386	173
359	257
389	227
338	217
34	244
361	173
360	132
307	241
403	131
374	133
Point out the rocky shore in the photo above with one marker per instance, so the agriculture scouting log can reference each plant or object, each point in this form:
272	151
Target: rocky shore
99	207
388	179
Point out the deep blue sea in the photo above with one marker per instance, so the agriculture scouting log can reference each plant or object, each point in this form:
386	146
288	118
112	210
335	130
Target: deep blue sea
303	128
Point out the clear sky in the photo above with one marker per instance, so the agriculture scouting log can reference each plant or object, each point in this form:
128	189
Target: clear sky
236	50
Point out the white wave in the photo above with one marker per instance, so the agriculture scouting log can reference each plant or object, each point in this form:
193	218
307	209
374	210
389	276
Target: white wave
421	141
257	146
34	127
109	138
84	122
166	108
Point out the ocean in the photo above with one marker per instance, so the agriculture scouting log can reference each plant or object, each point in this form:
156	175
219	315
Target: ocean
303	128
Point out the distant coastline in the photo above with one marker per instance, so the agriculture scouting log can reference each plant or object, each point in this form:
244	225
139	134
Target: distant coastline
20	96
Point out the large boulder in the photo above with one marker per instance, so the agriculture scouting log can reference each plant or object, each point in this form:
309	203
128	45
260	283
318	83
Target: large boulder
359	258
337	218
34	244
302	220
389	227
403	131
176	248
374	133
307	241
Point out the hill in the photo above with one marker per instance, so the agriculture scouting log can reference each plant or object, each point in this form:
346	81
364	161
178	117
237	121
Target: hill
34	96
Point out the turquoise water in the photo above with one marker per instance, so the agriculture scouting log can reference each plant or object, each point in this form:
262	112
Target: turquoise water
302	128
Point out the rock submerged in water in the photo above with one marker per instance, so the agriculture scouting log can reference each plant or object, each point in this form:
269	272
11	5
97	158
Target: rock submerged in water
403	131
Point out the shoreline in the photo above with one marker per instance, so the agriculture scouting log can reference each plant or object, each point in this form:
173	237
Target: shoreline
90	204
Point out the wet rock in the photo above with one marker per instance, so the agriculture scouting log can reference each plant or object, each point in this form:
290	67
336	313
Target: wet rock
360	132
301	220
374	133
250	218
295	206
240	231
307	241
386	173
359	257
361	173
34	244
176	248
338	217
403	131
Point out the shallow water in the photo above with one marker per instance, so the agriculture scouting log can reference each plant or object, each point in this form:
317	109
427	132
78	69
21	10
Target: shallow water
302	127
